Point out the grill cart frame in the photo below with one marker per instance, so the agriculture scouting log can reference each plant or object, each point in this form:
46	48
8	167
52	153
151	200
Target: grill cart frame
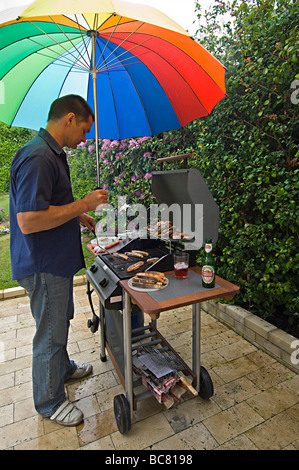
201	379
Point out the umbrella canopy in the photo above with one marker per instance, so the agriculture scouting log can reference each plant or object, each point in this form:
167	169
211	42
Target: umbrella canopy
141	73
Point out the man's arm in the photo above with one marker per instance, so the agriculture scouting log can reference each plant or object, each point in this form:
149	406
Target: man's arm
38	221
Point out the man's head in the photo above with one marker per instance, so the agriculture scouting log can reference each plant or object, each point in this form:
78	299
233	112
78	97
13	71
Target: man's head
70	118
70	104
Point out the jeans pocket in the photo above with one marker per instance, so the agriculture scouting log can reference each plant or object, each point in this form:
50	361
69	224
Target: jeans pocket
27	283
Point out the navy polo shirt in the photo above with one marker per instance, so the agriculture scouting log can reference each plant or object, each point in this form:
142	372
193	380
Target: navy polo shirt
39	178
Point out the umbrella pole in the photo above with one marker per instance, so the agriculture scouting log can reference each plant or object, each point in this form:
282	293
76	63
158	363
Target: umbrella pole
94	77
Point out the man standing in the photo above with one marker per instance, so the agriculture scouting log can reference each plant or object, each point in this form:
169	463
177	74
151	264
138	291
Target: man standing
46	248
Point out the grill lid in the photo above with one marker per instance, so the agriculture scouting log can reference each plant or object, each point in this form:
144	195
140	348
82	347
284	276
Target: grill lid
185	200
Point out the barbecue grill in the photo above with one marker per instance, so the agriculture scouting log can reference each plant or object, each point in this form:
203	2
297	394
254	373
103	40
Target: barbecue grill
177	189
122	322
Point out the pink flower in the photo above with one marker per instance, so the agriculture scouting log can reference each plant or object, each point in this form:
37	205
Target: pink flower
143	139
90	149
132	144
106	144
147	176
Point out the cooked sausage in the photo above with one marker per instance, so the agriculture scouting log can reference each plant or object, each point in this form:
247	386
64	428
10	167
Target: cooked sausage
120	255
153	275
146	285
144	253
135	266
134	254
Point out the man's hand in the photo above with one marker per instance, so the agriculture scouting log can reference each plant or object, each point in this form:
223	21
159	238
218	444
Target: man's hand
87	221
95	199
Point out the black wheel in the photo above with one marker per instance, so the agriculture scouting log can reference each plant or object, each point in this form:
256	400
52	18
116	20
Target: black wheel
206	389
122	413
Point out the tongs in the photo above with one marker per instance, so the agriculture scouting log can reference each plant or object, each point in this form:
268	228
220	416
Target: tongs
101	247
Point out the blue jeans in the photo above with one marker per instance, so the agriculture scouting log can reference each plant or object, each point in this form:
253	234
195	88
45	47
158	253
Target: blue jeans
51	302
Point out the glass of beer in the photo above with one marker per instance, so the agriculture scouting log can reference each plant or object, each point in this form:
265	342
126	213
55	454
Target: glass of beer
181	264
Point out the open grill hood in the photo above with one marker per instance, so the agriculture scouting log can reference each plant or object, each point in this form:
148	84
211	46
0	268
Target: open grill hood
188	203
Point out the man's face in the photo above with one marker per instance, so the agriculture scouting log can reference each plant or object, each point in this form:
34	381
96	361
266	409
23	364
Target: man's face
78	130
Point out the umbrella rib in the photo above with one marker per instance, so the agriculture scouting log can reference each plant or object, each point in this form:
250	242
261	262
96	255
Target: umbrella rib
163	58
111	68
112	52
102	52
114	103
79	26
123	53
52	39
58	56
63	32
141	102
95	20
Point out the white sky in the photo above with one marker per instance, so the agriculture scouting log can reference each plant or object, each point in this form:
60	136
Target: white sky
181	11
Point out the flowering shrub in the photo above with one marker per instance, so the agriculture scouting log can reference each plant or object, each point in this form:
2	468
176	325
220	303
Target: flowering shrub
125	166
248	154
82	164
126	169
4	230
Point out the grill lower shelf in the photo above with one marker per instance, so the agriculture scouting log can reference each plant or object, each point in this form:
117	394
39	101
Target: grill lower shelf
147	336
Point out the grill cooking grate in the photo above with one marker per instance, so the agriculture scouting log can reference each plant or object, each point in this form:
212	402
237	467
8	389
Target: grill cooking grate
119	266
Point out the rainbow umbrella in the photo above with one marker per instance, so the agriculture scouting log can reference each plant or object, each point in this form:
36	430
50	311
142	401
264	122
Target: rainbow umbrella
141	73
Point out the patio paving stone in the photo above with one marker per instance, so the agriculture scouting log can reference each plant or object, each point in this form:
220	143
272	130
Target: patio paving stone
255	396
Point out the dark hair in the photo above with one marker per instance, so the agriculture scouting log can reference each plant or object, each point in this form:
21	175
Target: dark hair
70	104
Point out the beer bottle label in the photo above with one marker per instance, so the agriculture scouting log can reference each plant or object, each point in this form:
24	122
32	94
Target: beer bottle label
208	273
208	247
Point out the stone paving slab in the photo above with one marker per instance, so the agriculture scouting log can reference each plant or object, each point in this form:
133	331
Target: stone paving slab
255	394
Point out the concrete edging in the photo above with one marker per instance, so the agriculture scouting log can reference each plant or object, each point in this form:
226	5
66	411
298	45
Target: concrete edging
259	332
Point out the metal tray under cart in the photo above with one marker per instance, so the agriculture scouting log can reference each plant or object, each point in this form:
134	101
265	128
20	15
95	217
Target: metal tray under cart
178	293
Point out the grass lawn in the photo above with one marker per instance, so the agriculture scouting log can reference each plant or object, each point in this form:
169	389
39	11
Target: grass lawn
5	273
4	201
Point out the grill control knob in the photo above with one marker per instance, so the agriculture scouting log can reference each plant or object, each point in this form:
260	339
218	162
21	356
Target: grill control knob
93	268
104	282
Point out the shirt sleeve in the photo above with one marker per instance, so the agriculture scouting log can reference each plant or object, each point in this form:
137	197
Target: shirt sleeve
34	183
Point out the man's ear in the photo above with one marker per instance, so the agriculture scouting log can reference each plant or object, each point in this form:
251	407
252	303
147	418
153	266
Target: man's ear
70	118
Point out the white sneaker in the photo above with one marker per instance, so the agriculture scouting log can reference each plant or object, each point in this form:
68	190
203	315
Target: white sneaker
67	414
82	371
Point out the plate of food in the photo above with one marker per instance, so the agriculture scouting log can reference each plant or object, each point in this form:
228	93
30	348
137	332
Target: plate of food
148	281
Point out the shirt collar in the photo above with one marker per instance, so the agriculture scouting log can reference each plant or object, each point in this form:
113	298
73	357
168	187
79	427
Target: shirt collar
46	136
